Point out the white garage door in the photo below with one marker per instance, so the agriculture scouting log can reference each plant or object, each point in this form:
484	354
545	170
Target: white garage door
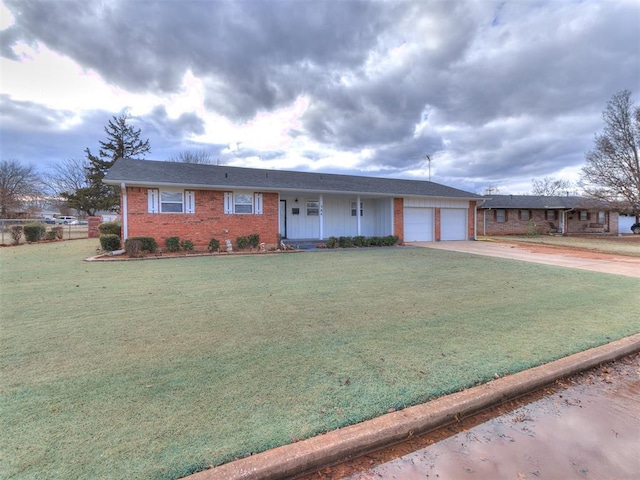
453	224
418	224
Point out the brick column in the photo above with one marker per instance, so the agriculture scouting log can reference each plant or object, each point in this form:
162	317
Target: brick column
93	226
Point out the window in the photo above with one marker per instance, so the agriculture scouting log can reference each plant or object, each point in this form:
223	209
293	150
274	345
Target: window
353	209
501	215
524	215
170	201
242	203
584	215
601	217
313	208
551	215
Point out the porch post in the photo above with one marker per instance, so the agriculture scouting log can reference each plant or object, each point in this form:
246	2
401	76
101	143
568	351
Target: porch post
358	214
321	217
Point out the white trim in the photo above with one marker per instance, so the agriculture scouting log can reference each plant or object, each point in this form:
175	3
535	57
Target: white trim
228	203
189	201
125	223
153	203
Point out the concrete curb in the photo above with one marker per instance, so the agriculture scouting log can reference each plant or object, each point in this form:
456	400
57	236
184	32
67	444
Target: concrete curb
336	446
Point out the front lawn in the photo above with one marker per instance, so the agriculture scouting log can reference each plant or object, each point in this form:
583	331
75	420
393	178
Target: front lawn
157	369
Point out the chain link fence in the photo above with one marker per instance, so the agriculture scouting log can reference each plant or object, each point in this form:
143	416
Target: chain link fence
70	231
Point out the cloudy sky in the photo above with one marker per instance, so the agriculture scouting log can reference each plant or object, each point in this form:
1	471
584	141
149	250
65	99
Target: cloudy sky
495	92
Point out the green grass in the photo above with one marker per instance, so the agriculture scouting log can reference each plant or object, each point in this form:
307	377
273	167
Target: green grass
156	369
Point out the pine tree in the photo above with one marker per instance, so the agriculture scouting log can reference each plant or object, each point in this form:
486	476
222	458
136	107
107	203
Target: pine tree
123	141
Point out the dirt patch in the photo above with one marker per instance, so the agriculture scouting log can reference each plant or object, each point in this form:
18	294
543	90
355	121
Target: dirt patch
596	247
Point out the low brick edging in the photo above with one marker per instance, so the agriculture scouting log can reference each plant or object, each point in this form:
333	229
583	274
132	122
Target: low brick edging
356	440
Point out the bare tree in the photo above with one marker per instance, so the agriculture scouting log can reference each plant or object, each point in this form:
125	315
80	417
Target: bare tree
612	171
549	186
19	185
192	156
68	176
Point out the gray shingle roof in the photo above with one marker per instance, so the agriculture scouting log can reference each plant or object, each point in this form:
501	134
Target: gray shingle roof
187	175
537	202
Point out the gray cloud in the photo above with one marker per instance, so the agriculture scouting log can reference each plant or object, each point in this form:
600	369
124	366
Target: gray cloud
492	89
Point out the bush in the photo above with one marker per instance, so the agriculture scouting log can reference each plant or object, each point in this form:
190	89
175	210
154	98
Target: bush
187	245
214	245
34	232
110	228
16	233
172	244
635	228
360	241
110	242
242	243
51	235
149	244
345	242
58	231
254	240
332	242
133	247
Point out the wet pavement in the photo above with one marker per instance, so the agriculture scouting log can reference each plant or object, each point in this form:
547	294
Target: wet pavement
586	426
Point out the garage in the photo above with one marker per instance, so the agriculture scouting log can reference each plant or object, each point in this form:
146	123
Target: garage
418	224
453	224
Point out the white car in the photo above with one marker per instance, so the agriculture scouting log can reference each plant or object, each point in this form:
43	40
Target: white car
65	220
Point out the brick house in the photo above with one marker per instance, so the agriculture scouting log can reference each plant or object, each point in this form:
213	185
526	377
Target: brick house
201	202
527	214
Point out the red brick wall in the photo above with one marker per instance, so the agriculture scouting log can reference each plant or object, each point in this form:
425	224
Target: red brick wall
93	226
515	226
471	221
209	220
398	218
437	234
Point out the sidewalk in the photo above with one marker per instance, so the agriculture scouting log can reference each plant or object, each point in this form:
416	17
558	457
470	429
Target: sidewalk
595	262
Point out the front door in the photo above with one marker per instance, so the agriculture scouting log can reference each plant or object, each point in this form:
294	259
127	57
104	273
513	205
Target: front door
282	219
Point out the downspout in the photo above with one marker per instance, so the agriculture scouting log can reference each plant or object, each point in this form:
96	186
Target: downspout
125	222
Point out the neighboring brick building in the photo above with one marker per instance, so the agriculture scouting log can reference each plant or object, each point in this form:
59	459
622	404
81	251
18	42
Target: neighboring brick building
533	214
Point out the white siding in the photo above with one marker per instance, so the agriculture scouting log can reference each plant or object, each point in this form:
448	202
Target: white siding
435	203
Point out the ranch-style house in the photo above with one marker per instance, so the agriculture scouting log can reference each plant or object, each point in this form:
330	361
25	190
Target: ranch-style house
201	202
527	214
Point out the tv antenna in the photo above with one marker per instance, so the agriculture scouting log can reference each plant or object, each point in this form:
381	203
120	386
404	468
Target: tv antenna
428	158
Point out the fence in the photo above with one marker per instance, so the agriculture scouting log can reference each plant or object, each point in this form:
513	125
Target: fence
69	232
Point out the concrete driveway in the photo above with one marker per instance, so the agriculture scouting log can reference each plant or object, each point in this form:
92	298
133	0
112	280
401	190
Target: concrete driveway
593	261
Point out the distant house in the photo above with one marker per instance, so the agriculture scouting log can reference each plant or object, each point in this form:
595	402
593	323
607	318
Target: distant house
201	202
523	214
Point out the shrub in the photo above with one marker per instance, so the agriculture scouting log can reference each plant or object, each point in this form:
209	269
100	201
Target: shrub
242	243
110	242
133	247
16	233
172	244
51	235
345	242
254	240
635	228
214	245
187	245
332	242
149	244
360	241
58	231
110	228
34	232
